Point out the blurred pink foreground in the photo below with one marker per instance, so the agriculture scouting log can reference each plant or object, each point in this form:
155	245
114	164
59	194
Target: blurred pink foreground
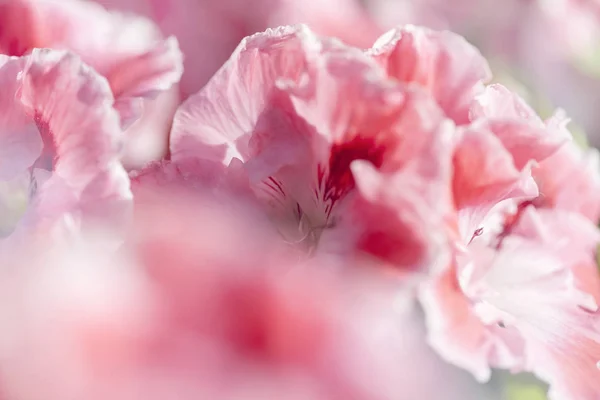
280	200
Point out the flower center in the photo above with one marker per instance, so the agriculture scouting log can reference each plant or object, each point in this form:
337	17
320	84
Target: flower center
304	211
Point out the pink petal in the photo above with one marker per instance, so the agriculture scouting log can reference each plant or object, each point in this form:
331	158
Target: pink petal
20	142
442	63
519	128
458	334
72	108
484	176
403	230
217	122
498	102
571	236
128	50
570	180
565	351
558	322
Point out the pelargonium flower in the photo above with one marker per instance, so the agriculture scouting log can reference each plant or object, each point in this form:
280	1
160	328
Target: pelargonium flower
199	302
501	147
129	51
345	160
498	137
60	140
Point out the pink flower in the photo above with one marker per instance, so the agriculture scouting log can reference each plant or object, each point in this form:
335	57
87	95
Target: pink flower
61	138
128	51
327	141
499	155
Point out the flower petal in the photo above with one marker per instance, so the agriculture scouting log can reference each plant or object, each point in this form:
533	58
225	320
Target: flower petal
443	63
484	176
72	108
20	142
459	335
216	123
519	128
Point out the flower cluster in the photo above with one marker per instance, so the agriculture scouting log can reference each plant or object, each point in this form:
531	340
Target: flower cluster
314	199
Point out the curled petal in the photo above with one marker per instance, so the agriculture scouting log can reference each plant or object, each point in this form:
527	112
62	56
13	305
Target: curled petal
72	108
484	176
517	126
533	290
457	333
443	63
570	180
217	122
20	142
571	236
403	229
128	50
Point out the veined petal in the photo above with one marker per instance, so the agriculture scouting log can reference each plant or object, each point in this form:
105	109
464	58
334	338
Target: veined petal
517	126
457	333
20	141
570	180
72	108
128	50
217	122
484	176
443	63
534	291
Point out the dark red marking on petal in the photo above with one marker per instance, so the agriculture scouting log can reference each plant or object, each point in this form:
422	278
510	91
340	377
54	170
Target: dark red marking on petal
340	180
278	185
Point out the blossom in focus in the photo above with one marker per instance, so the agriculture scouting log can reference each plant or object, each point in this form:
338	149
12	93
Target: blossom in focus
128	50
503	152
289	106
60	140
324	138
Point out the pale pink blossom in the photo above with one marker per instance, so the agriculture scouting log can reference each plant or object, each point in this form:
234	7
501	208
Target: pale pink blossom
499	137
61	138
500	146
343	158
129	51
536	268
